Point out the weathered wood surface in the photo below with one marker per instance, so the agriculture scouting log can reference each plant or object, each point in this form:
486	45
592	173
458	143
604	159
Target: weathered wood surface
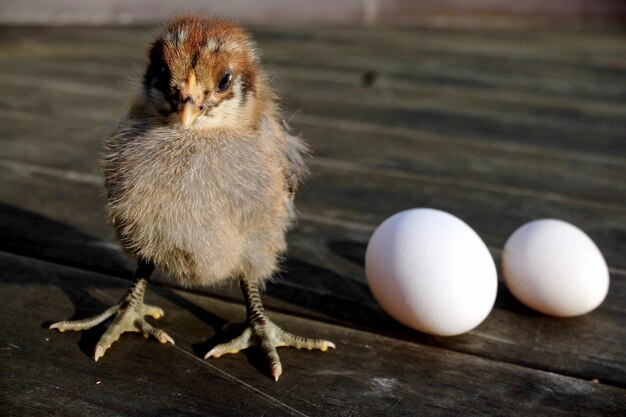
366	375
496	127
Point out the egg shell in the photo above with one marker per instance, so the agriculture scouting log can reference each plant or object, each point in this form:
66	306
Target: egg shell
553	267
430	271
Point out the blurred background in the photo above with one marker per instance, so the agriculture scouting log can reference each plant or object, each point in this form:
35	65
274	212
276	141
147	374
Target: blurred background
345	12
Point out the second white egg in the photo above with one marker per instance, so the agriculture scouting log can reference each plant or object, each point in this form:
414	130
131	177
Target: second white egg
554	267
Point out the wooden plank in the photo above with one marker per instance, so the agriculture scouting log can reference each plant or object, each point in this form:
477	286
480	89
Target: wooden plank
366	375
498	59
51	117
34	234
61	111
484	59
74	144
482	75
369	195
455	157
483	126
306	84
586	48
95	110
32	102
350	191
114	72
323	279
560	128
557	44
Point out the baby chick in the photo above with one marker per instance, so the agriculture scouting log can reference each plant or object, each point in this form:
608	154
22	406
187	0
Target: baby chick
200	178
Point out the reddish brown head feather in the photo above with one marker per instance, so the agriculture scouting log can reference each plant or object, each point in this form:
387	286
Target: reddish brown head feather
205	46
201	29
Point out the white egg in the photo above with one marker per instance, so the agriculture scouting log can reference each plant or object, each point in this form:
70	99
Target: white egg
555	268
430	271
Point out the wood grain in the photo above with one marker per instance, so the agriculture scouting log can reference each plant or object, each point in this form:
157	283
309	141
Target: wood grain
498	127
366	375
323	279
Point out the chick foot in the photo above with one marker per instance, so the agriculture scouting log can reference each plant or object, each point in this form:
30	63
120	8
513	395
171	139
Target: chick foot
264	334
129	316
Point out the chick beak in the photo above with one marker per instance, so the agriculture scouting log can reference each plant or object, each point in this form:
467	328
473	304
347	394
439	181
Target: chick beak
188	110
188	113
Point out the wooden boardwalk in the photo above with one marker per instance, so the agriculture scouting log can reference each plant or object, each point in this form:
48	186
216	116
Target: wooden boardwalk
496	127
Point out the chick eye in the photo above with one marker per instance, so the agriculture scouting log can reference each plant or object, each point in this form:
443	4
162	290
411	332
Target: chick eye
224	82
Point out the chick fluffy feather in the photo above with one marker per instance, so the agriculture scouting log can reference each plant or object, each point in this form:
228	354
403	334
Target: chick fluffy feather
213	201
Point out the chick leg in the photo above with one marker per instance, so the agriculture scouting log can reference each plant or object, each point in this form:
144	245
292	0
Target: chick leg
129	315
262	332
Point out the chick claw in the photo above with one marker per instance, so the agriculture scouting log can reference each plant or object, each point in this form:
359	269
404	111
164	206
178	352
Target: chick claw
129	317
268	336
